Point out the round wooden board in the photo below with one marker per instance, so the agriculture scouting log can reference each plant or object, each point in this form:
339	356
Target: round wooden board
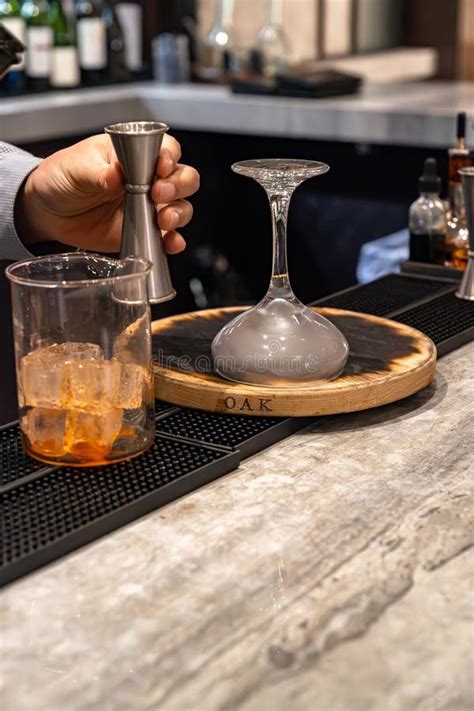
388	361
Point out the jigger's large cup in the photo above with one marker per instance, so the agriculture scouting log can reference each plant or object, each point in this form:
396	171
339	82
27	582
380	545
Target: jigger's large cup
83	357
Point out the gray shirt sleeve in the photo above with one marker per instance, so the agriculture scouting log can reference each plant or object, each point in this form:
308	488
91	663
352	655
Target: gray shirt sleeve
15	166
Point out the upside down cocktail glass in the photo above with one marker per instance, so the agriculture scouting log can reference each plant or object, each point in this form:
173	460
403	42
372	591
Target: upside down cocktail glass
280	342
83	357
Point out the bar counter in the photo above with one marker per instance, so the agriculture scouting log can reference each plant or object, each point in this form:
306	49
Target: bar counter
408	114
331	572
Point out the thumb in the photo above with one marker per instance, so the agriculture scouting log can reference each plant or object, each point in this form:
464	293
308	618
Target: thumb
92	169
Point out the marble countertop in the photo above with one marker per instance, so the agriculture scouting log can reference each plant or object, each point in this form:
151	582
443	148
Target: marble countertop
409	114
331	572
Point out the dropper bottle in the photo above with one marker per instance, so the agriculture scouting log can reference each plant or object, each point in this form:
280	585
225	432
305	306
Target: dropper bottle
427	219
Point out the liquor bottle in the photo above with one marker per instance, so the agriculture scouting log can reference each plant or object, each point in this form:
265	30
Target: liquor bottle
10	16
91	41
116	64
39	44
457	241
428	219
65	67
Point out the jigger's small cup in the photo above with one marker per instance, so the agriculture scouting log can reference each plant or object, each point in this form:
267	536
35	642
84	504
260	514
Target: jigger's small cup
83	358
137	145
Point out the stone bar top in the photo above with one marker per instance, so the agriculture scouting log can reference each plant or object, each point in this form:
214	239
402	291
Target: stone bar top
331	572
409	114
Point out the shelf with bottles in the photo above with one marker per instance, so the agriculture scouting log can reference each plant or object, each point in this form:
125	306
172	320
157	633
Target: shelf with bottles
69	45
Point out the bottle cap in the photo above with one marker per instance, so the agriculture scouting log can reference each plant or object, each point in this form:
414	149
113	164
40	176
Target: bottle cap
430	182
461	125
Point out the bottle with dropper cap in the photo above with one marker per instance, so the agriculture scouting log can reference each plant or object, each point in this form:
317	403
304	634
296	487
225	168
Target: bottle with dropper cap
427	219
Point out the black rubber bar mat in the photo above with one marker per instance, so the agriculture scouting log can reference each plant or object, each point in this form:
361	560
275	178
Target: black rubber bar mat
386	295
16	466
447	320
248	435
64	509
50	512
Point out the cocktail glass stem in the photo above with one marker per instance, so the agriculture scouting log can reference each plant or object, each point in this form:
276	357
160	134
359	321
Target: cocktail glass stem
280	287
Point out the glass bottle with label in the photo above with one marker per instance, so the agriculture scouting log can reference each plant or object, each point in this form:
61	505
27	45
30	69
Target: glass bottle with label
65	67
10	16
91	41
39	44
428	219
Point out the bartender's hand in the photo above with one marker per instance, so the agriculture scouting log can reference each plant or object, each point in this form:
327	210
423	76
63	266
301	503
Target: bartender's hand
76	197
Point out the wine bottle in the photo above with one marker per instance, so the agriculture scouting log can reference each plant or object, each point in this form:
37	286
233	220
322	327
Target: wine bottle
91	41
65	67
39	44
10	16
116	66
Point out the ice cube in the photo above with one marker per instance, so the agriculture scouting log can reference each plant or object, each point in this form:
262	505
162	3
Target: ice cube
77	351
45	429
97	430
132	381
93	384
42	376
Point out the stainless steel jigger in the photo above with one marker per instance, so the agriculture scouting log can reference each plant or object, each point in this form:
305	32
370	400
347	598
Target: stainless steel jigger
466	290
137	145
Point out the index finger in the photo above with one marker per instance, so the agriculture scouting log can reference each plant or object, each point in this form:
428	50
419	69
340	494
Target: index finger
170	154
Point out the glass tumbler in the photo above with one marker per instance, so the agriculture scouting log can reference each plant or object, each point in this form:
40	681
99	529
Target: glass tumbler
83	358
